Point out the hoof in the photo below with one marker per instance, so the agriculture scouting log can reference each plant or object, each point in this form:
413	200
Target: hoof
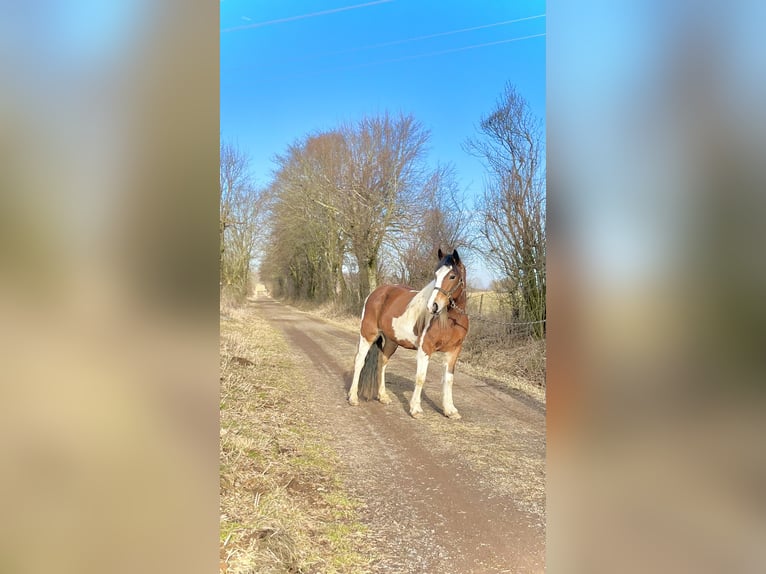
417	415
385	399
454	416
353	401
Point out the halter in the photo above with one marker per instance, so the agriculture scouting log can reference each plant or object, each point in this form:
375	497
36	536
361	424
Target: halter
450	292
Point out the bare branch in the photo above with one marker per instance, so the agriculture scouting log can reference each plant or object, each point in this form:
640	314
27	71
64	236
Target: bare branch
509	142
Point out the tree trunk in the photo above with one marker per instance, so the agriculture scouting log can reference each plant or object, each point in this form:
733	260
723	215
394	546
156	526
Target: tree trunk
221	251
364	279
372	272
341	289
368	280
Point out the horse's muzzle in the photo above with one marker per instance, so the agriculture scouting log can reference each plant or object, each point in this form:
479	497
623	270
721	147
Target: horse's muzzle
435	309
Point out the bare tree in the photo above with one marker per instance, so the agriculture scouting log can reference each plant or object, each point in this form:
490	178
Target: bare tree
382	186
241	211
233	178
344	196
326	159
307	221
512	207
443	222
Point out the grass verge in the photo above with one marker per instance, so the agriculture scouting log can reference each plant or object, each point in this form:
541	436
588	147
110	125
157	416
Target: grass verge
517	364
283	504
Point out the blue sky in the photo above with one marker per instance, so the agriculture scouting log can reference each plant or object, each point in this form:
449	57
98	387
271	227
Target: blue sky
291	68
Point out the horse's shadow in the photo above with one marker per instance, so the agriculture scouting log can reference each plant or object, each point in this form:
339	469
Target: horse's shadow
396	387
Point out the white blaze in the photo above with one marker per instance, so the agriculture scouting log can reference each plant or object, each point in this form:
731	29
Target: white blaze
441	273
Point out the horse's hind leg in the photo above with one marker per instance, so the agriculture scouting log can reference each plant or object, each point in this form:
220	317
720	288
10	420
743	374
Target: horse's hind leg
388	350
361	354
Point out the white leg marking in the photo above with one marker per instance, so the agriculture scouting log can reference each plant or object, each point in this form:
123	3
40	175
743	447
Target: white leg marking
420	378
361	353
449	407
382	394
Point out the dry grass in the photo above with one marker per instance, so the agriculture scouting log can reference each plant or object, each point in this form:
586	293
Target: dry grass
283	505
331	312
515	361
500	348
487	301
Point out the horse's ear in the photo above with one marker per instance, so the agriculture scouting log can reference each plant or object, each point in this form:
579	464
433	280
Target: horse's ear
455	256
441	255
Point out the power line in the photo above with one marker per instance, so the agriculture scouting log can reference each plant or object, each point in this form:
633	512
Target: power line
449	51
405	40
426	37
407	58
304	16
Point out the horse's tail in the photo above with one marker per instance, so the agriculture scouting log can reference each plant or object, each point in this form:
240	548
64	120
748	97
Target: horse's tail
369	377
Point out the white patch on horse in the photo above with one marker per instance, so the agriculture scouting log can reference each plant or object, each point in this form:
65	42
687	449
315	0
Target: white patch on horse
404	325
441	273
364	308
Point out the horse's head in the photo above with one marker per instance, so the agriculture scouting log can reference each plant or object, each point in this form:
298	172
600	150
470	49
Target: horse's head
449	282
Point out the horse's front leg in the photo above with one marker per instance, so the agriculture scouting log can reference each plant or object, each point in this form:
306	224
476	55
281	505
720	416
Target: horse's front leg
420	378
449	373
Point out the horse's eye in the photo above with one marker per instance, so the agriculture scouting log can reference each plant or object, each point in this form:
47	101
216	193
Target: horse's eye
451	276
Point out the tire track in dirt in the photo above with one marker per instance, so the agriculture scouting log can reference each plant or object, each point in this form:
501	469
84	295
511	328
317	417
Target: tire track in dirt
440	495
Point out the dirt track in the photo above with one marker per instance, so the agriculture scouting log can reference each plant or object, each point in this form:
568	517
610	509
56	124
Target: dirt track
441	496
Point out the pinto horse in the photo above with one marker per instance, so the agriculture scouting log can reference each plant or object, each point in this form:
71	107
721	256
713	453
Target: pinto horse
429	320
